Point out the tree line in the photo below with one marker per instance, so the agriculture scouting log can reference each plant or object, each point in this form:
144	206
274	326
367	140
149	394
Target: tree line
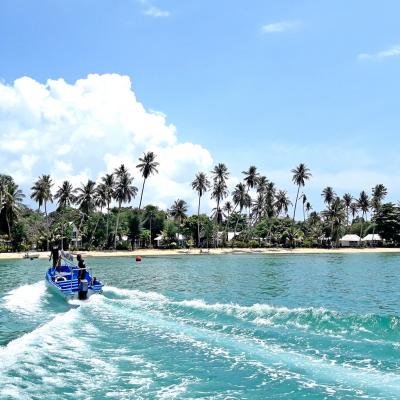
254	213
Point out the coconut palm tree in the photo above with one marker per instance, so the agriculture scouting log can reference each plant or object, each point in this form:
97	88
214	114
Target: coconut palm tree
328	195
335	215
282	202
227	208
13	197
100	201
304	197
379	192
147	167
124	192
149	212
219	192
347	199
5	180
200	184
258	206
308	208
300	175
363	204
108	180
86	197
251	177
261	184
65	195
270	193
41	193
353	209
241	198
178	210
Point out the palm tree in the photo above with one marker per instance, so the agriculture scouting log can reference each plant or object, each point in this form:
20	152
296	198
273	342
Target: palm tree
5	180
86	198
282	202
220	175
41	193
240	198
270	193
308	208
258	207
227	208
109	183
379	192
335	214
178	210
65	195
347	199
13	197
147	167
149	212
100	201
124	192
251	177
328	195
261	184
353	209
219	192
201	184
300	174
304	197
363	205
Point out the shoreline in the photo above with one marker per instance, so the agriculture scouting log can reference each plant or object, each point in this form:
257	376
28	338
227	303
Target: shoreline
179	252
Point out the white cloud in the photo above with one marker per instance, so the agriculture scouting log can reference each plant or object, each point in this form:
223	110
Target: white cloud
393	51
153	11
282	26
82	130
156	12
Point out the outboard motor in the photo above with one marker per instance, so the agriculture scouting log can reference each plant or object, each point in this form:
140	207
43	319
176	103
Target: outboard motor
83	289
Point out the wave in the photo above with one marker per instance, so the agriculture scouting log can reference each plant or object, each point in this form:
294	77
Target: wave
313	320
25	299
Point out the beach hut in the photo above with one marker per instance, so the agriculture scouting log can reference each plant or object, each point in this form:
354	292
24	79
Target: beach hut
372	239
350	240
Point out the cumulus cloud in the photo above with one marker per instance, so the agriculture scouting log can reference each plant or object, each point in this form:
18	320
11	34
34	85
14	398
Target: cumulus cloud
82	130
282	26
393	51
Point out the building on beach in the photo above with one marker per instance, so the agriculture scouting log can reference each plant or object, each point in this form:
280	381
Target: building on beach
372	239
350	240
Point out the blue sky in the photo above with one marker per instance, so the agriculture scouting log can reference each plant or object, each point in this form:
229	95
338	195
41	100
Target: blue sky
269	83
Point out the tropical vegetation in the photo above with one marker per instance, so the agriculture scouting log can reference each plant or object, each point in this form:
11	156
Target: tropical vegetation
253	213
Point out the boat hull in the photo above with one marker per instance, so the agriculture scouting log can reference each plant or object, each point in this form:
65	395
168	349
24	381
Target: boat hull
68	288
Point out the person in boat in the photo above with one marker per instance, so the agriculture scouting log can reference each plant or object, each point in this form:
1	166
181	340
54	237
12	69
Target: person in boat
55	255
82	268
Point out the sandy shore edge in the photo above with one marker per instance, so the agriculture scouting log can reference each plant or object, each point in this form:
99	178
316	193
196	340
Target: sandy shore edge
157	252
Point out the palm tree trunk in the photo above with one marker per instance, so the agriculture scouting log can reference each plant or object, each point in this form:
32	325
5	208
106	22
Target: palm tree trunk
94	230
362	225
198	223
108	215
141	195
116	226
295	203
47	227
8	226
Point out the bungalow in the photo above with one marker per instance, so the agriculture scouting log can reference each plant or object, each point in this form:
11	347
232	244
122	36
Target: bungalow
350	240
76	237
372	239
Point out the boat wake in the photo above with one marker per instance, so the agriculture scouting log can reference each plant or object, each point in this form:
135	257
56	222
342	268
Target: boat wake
149	345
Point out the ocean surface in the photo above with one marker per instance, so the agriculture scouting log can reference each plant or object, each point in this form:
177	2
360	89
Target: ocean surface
206	327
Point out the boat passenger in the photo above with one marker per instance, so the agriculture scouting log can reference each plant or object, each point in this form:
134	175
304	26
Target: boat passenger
56	256
82	267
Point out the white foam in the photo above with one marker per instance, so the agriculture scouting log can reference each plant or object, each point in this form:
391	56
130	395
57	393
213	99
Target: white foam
25	299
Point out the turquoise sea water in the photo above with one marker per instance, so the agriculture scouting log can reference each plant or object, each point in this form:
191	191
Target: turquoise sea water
206	327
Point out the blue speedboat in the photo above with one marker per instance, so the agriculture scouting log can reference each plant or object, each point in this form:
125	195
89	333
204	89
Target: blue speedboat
64	281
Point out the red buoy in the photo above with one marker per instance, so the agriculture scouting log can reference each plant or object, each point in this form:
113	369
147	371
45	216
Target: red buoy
138	258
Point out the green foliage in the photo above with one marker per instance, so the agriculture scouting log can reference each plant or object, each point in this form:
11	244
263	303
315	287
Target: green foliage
387	222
